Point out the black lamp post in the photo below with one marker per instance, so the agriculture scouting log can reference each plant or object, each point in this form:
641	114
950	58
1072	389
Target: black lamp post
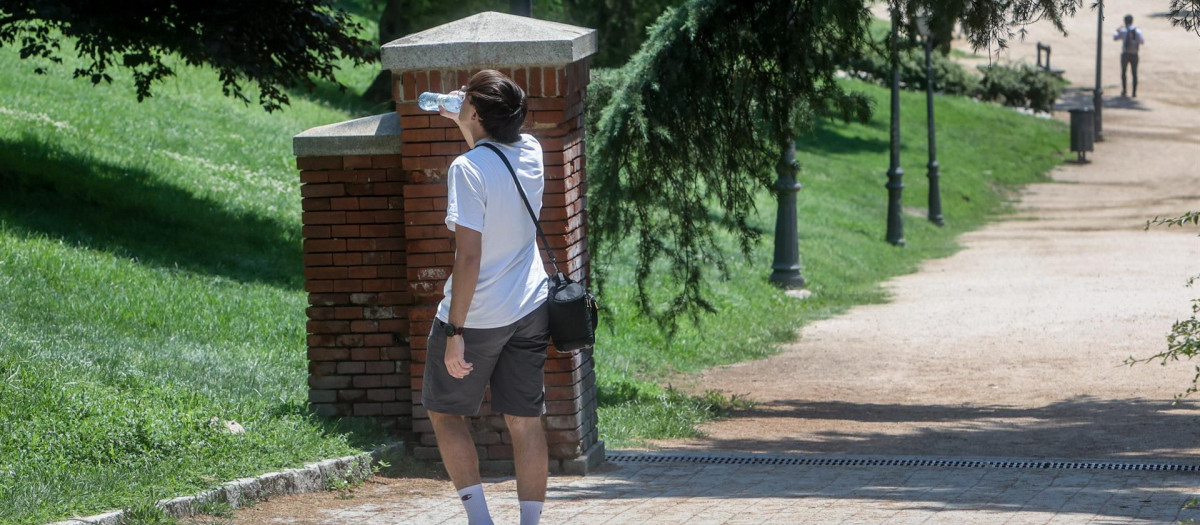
786	266
895	184
1098	93
935	196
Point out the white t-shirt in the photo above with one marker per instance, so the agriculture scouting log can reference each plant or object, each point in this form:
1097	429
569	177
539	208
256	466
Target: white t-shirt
1131	39
481	196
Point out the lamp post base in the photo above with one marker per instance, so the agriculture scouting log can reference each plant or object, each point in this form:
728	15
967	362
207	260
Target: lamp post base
788	279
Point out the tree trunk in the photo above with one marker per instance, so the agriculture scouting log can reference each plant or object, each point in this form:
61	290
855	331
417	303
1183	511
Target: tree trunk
392	25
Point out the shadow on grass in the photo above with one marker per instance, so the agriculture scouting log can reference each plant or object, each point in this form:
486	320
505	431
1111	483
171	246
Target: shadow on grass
829	139
128	212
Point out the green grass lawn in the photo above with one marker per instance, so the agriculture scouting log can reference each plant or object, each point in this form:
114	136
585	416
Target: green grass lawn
151	279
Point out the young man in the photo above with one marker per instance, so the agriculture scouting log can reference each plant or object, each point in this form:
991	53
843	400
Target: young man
492	326
1131	40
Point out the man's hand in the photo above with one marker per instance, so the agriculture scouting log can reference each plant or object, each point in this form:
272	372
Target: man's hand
442	111
456	362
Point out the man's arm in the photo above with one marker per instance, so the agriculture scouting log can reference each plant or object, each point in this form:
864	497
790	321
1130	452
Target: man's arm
468	249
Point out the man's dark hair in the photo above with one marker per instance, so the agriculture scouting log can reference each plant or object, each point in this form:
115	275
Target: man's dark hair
1128	19
500	103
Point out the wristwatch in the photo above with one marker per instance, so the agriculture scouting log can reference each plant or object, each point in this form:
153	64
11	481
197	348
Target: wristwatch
450	330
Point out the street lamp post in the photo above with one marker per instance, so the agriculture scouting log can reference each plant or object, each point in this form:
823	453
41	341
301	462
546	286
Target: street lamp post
786	266
1098	93
935	196
895	183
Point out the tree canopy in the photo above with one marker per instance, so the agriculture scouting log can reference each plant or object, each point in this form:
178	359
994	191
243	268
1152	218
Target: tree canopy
273	44
698	118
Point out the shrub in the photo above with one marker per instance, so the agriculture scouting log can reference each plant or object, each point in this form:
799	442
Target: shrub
1020	85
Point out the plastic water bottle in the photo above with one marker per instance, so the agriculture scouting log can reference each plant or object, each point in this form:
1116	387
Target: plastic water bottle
429	101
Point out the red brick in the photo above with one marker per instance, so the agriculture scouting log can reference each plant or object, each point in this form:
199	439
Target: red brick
397	409
409	136
345	230
322	190
347	259
521	77
349	368
549	82
343	203
319	163
381	394
314	176
379	339
325	272
385	161
347	285
551	117
366	381
356	161
429	246
364	326
327	327
416	121
410	85
381	367
364	354
367	409
327	354
422	81
318	259
419	149
323	217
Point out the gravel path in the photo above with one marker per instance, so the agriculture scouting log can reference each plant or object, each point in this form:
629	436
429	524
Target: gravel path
1014	346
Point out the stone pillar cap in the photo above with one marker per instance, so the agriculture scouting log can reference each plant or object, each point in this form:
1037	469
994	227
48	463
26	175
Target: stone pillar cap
490	39
375	135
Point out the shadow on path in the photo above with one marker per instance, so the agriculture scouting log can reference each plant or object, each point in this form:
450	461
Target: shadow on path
1080	428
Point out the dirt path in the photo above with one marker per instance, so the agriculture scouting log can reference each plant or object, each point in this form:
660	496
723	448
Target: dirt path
1014	346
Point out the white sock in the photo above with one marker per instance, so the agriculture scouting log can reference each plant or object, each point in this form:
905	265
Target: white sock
473	500
531	512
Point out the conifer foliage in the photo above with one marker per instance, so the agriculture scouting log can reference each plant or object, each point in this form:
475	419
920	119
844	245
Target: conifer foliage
697	119
273	44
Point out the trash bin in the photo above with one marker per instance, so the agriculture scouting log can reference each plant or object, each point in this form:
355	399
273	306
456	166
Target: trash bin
1083	131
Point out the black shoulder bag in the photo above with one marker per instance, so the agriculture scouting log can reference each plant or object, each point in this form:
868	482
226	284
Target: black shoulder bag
572	309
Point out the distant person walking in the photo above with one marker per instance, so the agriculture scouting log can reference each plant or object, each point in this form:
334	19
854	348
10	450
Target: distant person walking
1131	40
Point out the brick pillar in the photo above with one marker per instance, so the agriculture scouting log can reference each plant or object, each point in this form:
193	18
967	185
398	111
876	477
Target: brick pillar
549	61
354	269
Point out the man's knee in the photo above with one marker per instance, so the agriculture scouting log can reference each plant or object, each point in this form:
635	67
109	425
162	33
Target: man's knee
522	423
438	417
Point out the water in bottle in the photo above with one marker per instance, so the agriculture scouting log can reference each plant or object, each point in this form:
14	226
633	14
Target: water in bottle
430	101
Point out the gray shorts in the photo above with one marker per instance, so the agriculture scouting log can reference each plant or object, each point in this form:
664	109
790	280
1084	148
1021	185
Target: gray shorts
510	358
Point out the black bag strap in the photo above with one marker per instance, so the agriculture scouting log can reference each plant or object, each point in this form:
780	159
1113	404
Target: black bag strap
525	199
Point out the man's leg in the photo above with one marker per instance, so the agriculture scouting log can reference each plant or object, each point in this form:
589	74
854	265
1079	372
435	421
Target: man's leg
1124	66
1134	63
457	448
462	463
530	457
529	454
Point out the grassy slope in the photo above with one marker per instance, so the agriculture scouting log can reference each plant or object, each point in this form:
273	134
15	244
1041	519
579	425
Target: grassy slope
150	280
984	150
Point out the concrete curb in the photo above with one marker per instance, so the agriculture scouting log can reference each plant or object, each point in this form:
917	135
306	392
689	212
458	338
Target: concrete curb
241	492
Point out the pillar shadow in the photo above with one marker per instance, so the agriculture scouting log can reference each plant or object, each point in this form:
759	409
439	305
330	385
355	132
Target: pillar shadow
1100	428
133	214
1077	97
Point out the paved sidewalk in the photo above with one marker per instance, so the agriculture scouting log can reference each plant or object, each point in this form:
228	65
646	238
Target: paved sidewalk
696	493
